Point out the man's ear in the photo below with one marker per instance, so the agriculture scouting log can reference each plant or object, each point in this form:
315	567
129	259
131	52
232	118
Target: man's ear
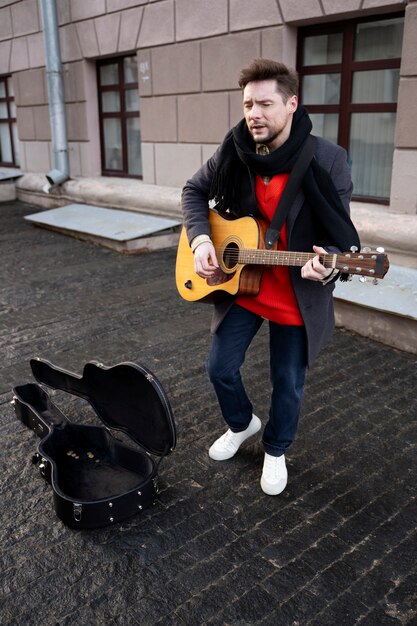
293	103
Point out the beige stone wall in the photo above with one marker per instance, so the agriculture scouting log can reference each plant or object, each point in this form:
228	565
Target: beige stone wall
189	53
189	88
190	97
404	174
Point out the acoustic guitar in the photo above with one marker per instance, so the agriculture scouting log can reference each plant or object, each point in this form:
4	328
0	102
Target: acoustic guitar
242	257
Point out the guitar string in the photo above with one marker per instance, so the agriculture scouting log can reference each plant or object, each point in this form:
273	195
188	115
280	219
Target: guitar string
246	255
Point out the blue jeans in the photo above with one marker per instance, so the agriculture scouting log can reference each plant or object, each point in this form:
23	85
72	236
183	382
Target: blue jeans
288	364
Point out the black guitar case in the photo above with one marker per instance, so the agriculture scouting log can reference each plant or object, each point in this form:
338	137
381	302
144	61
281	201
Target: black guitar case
96	478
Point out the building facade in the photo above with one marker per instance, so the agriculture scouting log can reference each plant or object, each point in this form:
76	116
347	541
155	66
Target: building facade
151	86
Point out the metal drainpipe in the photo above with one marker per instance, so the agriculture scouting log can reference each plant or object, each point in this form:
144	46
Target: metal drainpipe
60	173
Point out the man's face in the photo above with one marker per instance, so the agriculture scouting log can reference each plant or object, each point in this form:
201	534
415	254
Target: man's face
267	116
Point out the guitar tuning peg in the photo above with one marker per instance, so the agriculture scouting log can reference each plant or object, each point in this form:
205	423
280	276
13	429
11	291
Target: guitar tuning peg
375	281
366	249
380	250
362	279
353	248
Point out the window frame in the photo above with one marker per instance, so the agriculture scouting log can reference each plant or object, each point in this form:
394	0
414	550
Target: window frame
346	68
10	121
123	115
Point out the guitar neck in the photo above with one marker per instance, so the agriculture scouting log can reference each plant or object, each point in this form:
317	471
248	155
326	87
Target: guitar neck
276	257
366	264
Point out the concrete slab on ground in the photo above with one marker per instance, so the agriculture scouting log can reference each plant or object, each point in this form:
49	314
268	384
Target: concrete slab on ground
122	230
396	293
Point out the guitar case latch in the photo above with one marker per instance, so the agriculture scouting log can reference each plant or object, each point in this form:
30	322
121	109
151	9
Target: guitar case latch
77	511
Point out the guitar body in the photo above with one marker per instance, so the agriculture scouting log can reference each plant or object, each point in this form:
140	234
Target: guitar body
228	236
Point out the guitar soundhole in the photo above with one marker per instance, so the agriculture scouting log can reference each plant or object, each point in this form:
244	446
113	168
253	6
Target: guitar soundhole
230	256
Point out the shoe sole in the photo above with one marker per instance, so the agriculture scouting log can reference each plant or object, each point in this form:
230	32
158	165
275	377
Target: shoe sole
270	490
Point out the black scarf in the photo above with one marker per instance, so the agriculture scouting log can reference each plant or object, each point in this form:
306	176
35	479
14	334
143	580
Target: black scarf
238	157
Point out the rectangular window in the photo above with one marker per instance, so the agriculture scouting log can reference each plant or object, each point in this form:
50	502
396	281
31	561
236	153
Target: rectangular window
370	149
9	155
119	117
349	77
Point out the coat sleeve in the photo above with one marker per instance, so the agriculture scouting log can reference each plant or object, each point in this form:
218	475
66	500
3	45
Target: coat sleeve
195	199
341	176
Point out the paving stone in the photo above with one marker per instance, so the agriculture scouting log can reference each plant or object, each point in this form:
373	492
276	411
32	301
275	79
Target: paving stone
380	617
401	602
288	580
325	551
249	608
344	610
205	605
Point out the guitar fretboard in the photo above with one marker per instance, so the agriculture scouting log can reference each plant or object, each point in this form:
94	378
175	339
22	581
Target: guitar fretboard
275	257
369	264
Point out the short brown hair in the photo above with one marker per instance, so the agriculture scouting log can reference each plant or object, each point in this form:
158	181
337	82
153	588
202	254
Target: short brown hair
266	69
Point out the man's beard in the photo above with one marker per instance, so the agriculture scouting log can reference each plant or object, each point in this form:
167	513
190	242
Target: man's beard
269	138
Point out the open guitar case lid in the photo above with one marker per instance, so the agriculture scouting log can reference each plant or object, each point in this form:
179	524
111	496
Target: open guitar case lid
96	478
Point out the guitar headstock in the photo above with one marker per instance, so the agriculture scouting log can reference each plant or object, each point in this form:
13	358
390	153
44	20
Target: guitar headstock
365	263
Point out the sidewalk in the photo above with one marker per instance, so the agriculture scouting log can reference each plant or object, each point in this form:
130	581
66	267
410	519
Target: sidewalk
337	547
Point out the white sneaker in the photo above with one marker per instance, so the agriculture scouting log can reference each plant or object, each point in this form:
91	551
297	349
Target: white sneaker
228	444
274	475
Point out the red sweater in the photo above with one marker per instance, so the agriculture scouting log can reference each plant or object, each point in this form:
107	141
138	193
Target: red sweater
276	299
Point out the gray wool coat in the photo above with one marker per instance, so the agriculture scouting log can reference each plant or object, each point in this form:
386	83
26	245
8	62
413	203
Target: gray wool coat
303	231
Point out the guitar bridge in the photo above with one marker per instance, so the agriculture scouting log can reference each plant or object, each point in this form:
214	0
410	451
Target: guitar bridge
218	278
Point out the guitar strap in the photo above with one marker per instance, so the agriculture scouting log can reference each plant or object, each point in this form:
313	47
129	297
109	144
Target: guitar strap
289	193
